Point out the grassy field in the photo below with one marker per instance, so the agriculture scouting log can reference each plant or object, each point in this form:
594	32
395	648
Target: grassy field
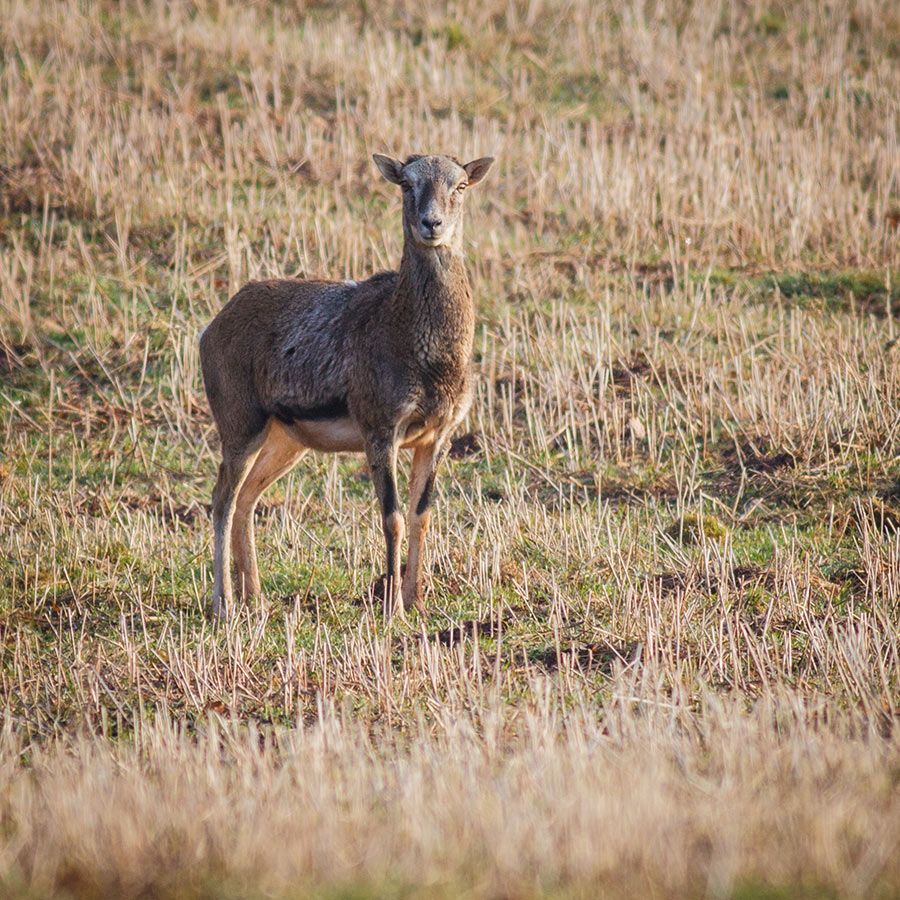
663	651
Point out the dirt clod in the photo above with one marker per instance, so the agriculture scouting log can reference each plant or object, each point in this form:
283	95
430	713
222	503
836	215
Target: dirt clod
468	628
588	656
466	445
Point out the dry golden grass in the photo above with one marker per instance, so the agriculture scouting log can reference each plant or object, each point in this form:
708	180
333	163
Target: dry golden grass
664	653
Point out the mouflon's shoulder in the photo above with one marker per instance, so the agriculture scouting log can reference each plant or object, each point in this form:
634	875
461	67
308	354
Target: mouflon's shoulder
380	280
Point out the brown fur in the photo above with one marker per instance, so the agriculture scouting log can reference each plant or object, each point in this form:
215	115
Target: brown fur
338	366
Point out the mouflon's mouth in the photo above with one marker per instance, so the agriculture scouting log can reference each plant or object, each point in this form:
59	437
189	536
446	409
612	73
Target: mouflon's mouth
431	239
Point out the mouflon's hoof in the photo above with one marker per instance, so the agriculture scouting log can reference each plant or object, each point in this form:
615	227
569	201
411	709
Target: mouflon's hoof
216	610
378	589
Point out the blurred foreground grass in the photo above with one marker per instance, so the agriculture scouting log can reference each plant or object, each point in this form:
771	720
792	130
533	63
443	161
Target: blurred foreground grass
662	653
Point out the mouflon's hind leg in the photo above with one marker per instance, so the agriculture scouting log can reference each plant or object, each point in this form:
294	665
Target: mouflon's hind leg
381	454
237	459
421	486
278	455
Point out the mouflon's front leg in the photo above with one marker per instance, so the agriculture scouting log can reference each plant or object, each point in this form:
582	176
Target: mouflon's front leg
381	453
421	488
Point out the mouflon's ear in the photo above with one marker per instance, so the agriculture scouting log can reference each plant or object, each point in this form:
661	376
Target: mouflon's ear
478	168
388	167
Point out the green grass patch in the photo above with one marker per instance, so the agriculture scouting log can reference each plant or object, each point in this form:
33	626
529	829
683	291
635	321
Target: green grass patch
868	291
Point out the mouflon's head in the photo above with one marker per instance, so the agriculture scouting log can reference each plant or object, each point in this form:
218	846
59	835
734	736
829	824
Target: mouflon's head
433	189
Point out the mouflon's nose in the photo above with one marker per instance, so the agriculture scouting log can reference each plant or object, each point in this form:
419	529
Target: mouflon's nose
431	223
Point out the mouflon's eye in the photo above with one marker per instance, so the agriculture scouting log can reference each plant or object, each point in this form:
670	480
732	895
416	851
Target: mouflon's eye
405	186
461	187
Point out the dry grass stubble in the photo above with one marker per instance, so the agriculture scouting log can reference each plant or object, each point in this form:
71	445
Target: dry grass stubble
663	655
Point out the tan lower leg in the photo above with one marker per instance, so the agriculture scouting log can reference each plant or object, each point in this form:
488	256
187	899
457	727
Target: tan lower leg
278	455
412	579
420	488
243	548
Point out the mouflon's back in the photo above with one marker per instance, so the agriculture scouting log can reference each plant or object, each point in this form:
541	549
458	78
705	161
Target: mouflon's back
284	340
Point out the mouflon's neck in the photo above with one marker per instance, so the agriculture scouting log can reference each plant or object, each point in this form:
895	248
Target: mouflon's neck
433	301
433	285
